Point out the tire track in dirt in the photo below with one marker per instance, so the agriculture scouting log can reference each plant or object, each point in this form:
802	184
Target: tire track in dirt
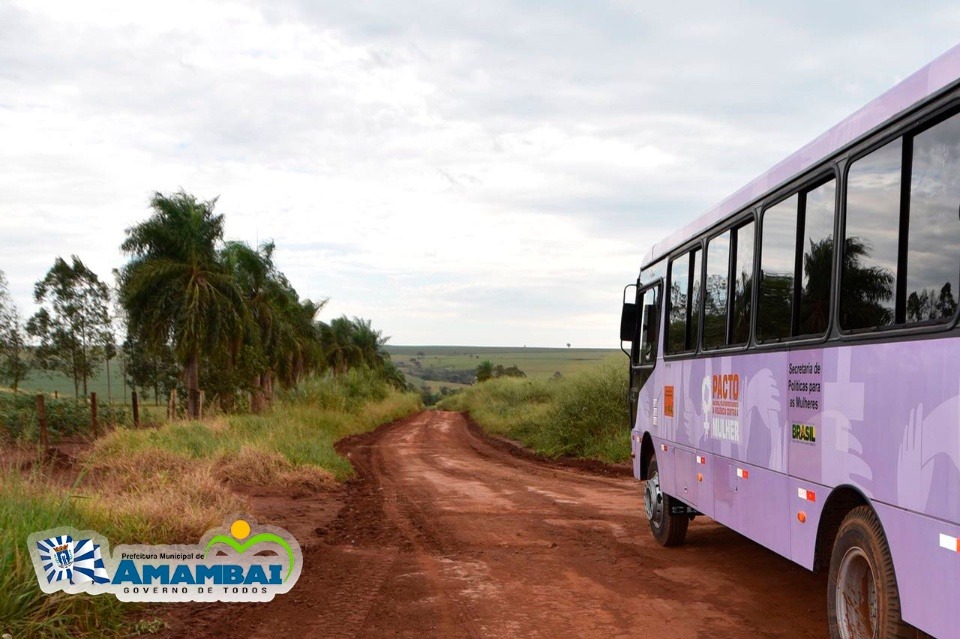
445	534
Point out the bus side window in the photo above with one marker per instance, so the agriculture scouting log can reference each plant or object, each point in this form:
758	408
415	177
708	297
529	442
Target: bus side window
868	275
693	334
683	318
677	311
742	285
933	247
715	296
902	243
816	266
778	262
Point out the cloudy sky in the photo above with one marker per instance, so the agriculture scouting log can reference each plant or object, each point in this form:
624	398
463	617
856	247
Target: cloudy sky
462	173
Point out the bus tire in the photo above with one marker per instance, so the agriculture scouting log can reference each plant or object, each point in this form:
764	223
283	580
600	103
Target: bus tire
862	596
668	529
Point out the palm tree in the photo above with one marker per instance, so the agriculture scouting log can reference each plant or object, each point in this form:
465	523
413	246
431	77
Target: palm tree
339	349
283	336
255	275
308	356
175	289
369	343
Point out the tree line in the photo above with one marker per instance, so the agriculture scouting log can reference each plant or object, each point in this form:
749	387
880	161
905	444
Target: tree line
194	312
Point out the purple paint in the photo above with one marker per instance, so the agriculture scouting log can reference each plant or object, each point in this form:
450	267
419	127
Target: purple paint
887	423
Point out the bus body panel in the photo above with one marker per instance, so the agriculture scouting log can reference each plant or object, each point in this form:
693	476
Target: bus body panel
762	506
665	452
927	569
845	415
883	418
686	484
807	498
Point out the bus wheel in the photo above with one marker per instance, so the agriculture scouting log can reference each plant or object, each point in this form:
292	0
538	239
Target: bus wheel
668	529
862	597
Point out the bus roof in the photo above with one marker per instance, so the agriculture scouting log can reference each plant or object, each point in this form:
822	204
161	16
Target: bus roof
939	74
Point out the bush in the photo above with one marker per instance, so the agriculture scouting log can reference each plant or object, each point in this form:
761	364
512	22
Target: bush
18	416
591	417
349	392
584	415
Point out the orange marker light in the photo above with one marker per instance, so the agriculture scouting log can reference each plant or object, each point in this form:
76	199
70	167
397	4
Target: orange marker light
802	517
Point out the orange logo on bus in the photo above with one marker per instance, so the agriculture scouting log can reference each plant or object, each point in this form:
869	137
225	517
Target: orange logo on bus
726	387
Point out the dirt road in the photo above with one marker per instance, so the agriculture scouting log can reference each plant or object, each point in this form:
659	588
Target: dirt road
446	535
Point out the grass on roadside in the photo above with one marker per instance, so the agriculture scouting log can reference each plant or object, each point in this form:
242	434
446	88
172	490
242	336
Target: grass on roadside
171	484
584	415
28	506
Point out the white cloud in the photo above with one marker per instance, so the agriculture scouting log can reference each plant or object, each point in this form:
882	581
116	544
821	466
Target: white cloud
487	174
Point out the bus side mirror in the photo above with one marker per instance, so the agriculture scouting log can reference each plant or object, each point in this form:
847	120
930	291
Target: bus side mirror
628	323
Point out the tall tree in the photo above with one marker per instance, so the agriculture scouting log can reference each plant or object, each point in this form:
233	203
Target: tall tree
73	322
349	343
14	365
369	343
155	368
339	348
264	291
176	290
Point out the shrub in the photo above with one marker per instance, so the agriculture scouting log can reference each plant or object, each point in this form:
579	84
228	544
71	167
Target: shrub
18	416
584	415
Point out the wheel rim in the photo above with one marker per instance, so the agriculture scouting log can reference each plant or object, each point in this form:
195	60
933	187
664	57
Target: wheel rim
653	500
857	606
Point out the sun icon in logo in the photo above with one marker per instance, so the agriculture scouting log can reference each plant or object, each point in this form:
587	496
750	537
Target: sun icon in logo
240	531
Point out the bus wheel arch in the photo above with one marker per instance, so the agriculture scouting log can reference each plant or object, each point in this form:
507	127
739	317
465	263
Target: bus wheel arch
646	454
841	501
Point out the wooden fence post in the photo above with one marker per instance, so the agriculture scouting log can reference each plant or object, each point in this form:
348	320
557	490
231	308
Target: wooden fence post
94	418
42	415
136	409
56	394
200	406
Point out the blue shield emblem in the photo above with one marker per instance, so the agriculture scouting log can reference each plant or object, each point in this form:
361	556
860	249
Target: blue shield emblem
63	557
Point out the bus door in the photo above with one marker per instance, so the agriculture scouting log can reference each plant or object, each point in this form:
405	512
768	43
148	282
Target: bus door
643	347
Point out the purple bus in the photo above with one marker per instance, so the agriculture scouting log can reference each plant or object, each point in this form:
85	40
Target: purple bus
795	363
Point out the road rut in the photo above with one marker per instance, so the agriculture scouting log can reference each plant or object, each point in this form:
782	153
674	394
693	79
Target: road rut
446	535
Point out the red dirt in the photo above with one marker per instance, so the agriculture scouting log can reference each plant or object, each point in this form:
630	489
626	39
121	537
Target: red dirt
444	534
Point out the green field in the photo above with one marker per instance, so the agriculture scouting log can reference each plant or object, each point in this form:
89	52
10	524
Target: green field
42	382
535	362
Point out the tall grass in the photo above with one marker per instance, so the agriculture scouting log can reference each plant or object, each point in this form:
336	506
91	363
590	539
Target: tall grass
171	484
584	415
28	506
